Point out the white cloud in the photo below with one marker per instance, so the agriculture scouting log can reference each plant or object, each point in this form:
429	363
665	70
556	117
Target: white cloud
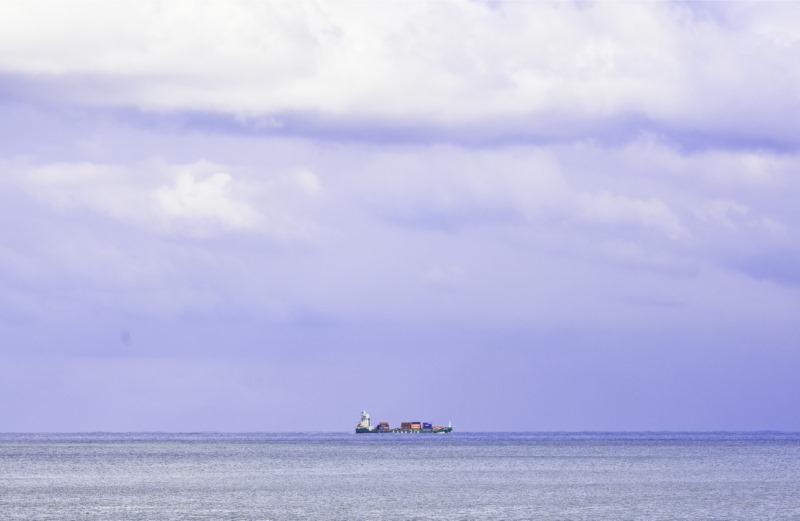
422	63
103	188
206	199
454	188
195	198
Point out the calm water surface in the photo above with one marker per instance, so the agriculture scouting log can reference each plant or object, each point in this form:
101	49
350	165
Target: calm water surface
669	476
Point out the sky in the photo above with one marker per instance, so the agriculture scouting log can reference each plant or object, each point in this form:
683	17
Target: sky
515	216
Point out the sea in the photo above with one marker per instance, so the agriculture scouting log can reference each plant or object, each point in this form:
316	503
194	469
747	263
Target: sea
480	476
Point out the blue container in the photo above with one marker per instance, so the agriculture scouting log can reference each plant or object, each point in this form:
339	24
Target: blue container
427	426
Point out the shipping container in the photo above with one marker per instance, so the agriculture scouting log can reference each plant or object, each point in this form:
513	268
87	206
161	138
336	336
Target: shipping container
427	425
405	425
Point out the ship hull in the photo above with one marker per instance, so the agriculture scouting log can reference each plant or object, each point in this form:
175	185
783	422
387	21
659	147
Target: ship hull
444	430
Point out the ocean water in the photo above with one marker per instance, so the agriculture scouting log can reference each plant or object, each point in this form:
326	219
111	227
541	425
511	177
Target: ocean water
542	476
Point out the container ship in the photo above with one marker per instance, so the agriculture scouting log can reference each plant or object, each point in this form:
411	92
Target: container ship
364	426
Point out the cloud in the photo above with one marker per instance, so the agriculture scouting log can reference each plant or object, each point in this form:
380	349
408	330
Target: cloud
735	217
607	208
437	70
205	200
450	188
308	181
102	188
285	229
194	198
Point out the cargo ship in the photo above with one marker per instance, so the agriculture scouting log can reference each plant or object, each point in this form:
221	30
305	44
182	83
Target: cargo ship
417	427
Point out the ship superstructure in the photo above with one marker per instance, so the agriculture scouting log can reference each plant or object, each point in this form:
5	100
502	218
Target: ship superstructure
415	427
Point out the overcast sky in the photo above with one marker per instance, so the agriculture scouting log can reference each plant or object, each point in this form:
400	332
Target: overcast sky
254	216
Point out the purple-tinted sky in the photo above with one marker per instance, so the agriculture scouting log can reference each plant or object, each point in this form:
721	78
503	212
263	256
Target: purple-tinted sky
516	216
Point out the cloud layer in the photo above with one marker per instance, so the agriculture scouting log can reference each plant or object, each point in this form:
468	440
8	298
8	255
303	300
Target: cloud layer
474	71
497	227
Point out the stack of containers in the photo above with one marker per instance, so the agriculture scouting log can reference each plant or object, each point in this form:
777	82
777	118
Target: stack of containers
426	425
416	425
405	425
